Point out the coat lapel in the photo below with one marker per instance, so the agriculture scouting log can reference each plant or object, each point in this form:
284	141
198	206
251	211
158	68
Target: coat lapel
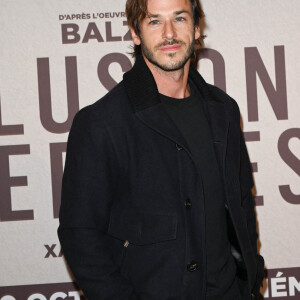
214	109
144	98
157	118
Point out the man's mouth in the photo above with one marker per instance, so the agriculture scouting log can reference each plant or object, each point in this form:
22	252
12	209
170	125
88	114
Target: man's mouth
170	47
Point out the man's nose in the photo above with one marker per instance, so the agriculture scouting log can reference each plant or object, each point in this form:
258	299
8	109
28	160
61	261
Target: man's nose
169	30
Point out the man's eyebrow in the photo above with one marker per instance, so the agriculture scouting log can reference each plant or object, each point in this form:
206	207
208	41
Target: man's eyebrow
181	12
153	15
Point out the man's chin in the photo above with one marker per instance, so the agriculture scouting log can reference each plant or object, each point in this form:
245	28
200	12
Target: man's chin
169	66
172	68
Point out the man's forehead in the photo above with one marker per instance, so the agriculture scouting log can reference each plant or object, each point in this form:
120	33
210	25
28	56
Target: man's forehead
176	13
159	7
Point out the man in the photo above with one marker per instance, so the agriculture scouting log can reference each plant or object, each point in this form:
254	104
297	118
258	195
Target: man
156	196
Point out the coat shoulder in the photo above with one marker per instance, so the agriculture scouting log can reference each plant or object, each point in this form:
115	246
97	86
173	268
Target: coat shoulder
230	104
109	109
223	96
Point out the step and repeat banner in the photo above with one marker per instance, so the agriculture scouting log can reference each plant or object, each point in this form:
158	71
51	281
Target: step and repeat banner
59	56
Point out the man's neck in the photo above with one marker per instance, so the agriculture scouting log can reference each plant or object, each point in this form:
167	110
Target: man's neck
171	83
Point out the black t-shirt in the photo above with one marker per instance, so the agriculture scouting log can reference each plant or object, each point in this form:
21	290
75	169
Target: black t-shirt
190	119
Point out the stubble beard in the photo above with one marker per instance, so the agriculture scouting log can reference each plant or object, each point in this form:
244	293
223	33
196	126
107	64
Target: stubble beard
172	65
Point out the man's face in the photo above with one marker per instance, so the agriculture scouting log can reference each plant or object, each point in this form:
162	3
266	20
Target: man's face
167	34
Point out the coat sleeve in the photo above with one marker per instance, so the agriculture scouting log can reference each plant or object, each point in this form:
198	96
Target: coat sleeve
247	201
89	181
247	184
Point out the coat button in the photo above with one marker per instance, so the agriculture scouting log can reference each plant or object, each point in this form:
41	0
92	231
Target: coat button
188	203
178	147
192	266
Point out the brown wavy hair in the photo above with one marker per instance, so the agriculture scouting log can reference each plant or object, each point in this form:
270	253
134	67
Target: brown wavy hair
136	11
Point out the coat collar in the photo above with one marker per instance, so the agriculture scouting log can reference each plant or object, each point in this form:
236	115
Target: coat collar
143	95
142	90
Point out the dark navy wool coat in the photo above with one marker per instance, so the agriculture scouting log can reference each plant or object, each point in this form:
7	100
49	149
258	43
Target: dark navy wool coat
127	175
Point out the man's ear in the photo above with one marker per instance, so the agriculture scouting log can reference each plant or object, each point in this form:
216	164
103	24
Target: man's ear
197	32
135	37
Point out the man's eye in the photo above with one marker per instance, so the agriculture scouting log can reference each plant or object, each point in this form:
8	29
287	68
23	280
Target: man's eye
154	22
180	19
